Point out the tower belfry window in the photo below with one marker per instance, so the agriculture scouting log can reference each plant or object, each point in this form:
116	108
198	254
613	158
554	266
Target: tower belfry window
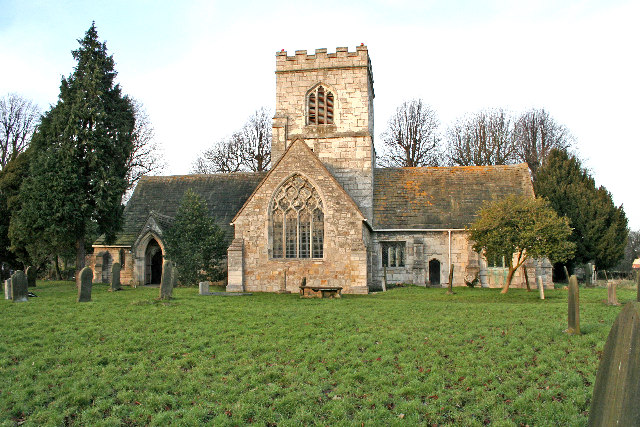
320	106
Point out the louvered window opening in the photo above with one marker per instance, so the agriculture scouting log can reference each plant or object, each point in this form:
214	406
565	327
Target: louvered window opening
320	105
297	221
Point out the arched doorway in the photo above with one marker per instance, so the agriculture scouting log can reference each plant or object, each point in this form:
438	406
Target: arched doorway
153	263
434	272
107	263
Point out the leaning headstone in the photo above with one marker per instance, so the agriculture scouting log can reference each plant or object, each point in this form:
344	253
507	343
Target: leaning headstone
7	288
574	307
566	273
204	288
31	277
19	286
86	282
612	298
166	282
617	389
115	277
540	286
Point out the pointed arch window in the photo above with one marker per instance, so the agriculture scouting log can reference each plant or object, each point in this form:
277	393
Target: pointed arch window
320	106
297	220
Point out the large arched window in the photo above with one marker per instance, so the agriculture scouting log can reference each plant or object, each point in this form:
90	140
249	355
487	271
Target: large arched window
297	220
320	107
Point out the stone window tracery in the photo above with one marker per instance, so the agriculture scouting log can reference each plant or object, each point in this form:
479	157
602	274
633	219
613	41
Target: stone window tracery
297	220
320	106
393	254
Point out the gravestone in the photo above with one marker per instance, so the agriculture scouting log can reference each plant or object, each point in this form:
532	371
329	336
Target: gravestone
166	282
7	288
617	389
540	286
84	290
612	298
31	277
19	286
588	275
450	290
174	276
115	277
638	285
566	273
204	288
574	307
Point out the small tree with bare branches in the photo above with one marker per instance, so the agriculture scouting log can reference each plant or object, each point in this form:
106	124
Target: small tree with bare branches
248	149
411	138
18	120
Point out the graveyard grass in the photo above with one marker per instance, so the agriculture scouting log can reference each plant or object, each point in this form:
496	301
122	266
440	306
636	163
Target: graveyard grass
411	355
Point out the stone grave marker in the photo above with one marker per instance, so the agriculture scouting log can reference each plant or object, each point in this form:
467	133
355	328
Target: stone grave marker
7	288
203	288
31	277
166	282
115	277
174	276
612	298
540	286
574	307
84	290
588	274
638	285
19	286
617	389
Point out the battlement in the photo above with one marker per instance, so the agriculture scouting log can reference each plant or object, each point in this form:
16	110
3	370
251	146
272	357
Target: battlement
341	58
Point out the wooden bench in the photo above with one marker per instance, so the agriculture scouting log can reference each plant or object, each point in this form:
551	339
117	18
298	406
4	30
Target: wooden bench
320	292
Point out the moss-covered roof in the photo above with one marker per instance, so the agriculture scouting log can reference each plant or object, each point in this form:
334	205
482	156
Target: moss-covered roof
224	194
443	197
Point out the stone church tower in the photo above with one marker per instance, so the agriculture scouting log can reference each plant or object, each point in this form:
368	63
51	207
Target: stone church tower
326	100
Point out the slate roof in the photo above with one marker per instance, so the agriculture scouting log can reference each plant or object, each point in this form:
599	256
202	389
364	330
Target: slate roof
442	197
161	195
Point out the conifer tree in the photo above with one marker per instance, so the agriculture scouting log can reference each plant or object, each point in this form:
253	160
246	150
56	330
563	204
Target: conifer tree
79	170
599	227
195	243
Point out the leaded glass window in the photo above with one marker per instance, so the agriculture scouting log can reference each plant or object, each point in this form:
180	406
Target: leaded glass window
297	220
393	254
320	107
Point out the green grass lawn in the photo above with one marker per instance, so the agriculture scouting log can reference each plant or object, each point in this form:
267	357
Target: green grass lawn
408	356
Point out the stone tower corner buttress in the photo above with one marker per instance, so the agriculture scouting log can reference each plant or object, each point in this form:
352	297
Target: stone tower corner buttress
326	99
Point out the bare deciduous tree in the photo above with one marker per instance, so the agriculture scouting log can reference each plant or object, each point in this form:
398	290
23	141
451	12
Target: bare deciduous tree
536	133
145	157
255	137
18	119
484	138
248	149
411	138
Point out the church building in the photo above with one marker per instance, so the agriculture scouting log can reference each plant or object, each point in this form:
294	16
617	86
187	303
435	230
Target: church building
325	213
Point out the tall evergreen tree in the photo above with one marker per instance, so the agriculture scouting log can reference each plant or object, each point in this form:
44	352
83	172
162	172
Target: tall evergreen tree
599	227
79	170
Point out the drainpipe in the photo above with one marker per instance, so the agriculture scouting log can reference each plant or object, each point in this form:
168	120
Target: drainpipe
449	266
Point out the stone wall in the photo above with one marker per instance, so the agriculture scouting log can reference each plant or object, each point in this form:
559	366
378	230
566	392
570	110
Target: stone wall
422	247
344	262
345	147
95	261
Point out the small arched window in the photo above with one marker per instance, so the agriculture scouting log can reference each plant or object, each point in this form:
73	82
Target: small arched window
320	107
297	220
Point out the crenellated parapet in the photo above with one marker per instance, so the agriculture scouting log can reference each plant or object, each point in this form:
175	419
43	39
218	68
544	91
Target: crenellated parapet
341	58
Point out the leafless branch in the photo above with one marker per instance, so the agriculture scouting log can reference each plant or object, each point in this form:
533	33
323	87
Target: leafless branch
411	138
19	118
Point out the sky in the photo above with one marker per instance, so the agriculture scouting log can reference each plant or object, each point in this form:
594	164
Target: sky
201	68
